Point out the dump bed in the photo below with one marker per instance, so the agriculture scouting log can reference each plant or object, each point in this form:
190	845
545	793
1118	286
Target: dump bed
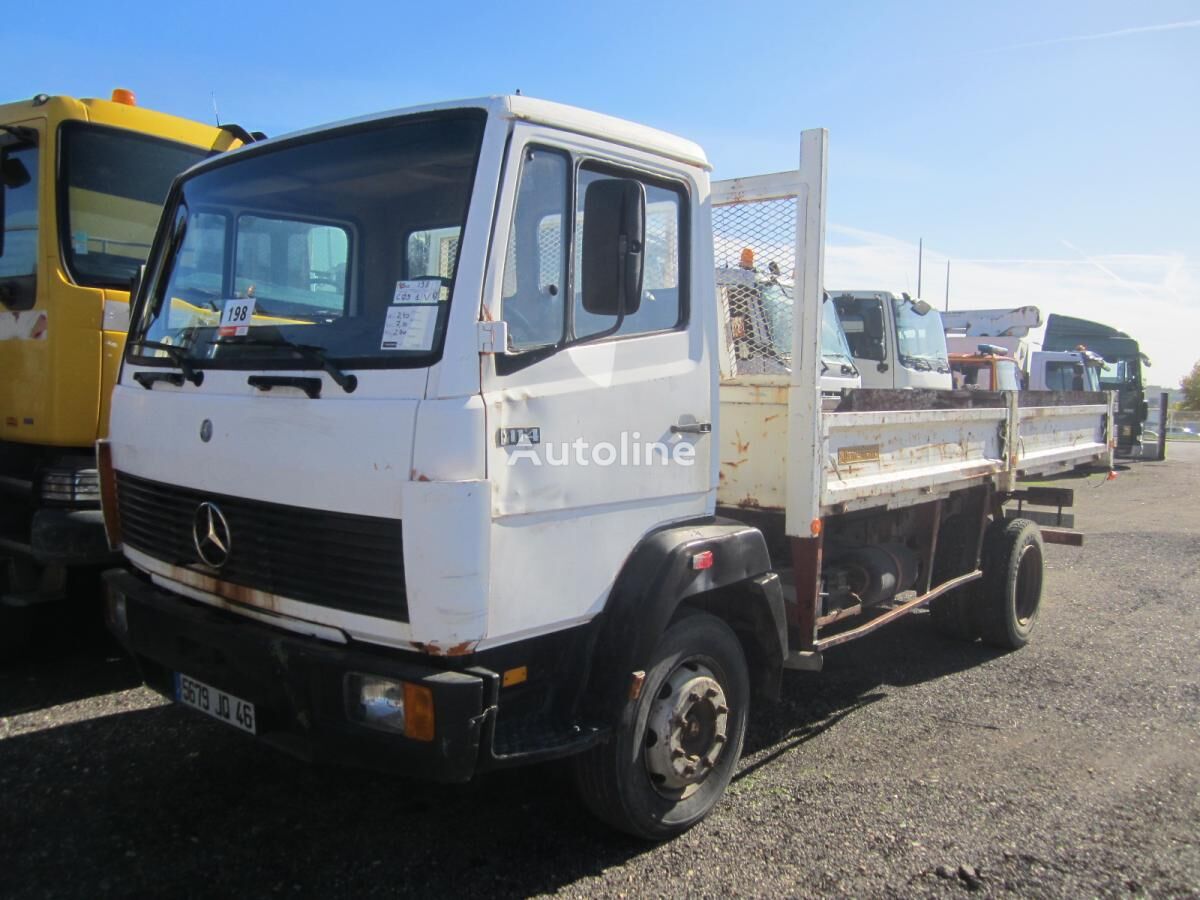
878	447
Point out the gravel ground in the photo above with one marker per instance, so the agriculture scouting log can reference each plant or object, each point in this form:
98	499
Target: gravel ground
911	766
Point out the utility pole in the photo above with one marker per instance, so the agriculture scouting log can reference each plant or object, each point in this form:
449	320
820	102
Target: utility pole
920	257
947	286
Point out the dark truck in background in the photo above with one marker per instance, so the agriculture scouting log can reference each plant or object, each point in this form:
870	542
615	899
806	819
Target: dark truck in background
1123	374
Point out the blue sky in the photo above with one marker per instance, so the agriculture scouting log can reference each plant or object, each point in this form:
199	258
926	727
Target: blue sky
1050	150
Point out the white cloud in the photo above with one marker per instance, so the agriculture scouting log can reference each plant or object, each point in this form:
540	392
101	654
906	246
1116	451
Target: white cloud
1153	297
1104	35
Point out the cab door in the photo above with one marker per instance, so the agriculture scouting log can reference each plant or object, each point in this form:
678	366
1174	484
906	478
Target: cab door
599	424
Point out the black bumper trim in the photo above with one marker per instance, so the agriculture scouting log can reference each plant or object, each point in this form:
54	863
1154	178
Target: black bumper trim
297	683
70	537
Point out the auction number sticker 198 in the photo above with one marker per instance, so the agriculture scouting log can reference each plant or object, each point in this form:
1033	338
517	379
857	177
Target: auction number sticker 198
235	317
215	702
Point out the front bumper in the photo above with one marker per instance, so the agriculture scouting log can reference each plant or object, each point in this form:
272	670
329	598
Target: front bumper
70	537
298	683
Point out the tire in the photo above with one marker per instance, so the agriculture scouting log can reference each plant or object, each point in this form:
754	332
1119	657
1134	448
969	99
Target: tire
1010	593
950	613
634	781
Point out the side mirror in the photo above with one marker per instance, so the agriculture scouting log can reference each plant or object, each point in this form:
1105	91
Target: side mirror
614	241
921	308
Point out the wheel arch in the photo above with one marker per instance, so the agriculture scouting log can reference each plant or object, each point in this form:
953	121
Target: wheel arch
658	583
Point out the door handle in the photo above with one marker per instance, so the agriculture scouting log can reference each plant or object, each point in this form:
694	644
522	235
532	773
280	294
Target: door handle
692	428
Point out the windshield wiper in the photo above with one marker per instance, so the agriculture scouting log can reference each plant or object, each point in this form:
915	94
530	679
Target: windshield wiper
179	356
311	352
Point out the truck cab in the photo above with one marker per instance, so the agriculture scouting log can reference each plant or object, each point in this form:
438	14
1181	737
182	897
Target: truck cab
756	317
989	368
1065	370
1123	374
82	189
896	341
430	451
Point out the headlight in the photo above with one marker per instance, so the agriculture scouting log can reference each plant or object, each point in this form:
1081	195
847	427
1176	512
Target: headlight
390	705
73	486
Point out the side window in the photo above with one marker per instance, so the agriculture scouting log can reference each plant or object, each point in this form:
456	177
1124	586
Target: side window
535	266
663	301
862	320
19	257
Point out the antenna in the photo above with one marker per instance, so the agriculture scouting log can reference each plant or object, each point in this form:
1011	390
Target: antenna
947	285
216	112
920	257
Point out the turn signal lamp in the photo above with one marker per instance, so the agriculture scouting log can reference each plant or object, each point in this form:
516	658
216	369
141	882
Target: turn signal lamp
124	95
703	560
391	705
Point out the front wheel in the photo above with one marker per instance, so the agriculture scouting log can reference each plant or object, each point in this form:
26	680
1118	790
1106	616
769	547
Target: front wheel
675	748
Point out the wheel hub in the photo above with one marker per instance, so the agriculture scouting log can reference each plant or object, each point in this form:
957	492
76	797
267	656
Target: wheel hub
687	728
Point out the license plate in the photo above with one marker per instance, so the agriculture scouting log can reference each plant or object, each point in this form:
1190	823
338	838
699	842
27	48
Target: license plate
214	702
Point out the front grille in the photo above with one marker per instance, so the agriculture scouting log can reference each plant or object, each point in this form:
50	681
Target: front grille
354	563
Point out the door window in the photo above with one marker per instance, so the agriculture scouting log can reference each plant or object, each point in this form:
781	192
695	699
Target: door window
539	275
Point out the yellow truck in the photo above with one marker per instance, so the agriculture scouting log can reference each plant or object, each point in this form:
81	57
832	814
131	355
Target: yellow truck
82	182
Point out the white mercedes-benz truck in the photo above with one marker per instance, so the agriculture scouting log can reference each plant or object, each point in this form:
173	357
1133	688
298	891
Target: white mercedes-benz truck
432	451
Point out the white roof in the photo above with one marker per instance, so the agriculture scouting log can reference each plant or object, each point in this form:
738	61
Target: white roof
545	112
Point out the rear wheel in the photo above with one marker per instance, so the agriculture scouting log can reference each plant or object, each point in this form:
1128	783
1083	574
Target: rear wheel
675	748
1010	594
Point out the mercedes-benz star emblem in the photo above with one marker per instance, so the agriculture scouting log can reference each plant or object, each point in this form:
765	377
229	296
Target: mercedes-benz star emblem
210	534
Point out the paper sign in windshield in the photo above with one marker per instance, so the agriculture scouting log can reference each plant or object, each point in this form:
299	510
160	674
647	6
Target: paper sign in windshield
235	317
423	290
409	328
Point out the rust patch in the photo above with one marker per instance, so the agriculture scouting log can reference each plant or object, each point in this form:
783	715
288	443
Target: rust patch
414	475
733	465
433	648
861	454
772	418
742	446
749	503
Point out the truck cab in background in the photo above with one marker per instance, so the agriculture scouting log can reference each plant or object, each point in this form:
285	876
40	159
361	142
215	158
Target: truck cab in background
896	341
1123	375
80	198
1065	370
756	315
989	368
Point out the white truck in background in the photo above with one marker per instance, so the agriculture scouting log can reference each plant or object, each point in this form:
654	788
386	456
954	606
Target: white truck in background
1055	370
443	519
896	341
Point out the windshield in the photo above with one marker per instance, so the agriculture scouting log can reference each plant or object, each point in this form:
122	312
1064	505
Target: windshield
834	346
921	339
115	184
1067	375
1122	373
777	304
346	242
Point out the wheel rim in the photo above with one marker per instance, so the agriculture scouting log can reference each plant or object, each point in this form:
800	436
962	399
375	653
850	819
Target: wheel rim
1029	585
687	729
